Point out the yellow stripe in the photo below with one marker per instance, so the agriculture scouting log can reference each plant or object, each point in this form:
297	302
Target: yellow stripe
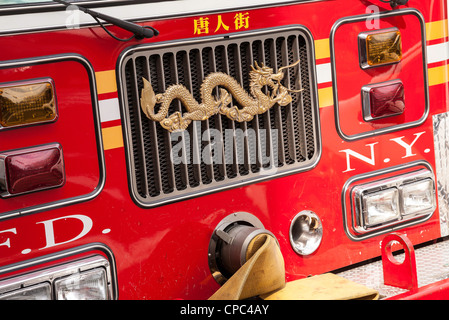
325	97
112	137
436	30
106	82
322	49
438	75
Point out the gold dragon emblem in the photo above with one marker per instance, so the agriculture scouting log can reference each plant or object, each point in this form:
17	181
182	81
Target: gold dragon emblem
257	102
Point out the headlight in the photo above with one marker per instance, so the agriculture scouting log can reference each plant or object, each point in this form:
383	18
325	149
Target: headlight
38	292
394	200
418	197
85	279
380	207
88	285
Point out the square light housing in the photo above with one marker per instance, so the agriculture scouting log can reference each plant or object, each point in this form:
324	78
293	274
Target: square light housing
380	47
31	169
381	100
27	102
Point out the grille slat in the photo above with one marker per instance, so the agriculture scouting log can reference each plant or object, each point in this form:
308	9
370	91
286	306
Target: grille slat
140	136
265	58
152	149
287	111
194	169
218	153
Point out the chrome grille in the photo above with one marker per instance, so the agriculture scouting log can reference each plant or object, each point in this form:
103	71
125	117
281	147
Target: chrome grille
218	153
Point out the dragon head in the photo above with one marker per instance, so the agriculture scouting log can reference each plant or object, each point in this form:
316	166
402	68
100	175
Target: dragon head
264	76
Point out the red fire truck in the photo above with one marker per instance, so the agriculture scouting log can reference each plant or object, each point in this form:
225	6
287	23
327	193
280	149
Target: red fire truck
145	145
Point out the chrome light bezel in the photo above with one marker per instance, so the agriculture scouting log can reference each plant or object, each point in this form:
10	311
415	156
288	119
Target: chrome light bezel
396	182
52	274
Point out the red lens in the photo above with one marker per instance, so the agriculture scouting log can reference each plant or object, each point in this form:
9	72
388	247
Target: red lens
32	169
383	100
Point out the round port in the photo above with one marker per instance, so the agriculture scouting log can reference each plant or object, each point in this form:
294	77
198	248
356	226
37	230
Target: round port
306	232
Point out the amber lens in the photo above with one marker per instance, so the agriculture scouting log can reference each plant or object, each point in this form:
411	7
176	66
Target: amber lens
27	104
383	48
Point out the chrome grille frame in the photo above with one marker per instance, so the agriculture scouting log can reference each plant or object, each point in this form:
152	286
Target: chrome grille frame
154	179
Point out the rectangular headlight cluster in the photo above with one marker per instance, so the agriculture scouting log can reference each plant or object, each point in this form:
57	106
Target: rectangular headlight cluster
394	200
86	279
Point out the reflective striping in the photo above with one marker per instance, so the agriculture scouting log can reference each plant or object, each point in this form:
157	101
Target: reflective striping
106	82
109	110
112	137
322	49
441	140
438	75
325	97
438	52
324	73
436	30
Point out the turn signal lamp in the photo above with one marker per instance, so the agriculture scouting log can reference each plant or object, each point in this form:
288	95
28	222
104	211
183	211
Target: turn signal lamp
27	103
383	99
394	200
31	169
380	47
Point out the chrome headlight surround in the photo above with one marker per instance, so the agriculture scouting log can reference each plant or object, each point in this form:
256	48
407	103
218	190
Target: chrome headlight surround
75	267
395	192
396	183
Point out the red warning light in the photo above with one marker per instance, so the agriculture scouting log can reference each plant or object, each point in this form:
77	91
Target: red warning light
382	100
31	169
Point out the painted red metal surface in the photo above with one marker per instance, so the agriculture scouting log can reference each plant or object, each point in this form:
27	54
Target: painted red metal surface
161	253
74	130
435	291
399	274
410	71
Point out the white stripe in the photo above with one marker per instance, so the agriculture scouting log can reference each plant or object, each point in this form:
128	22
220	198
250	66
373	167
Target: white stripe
438	52
324	72
75	18
109	110
435	53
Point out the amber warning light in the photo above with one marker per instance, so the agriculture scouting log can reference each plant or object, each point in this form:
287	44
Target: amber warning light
380	47
27	103
31	169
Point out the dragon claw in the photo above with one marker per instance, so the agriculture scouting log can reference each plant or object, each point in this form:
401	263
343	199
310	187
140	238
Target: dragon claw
175	122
